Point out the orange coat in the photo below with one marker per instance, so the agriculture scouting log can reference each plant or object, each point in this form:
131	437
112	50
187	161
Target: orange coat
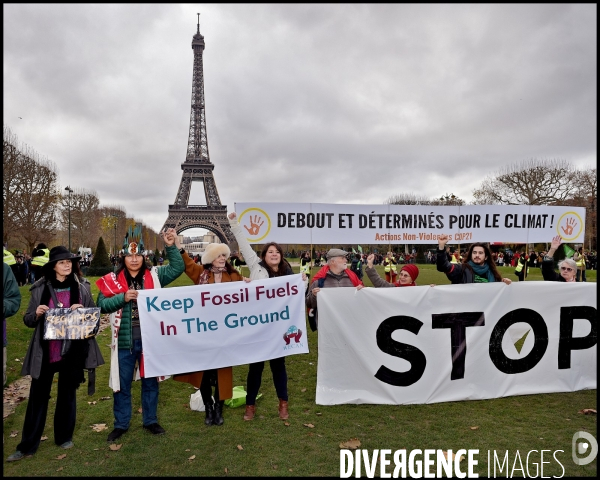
225	374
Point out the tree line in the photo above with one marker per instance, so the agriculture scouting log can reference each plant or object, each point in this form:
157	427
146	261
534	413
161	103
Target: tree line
36	207
530	182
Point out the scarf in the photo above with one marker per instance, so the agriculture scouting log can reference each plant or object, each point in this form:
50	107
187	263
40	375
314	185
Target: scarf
111	284
482	271
204	277
353	277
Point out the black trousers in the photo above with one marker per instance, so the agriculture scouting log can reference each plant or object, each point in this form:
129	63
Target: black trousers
255	379
209	380
37	406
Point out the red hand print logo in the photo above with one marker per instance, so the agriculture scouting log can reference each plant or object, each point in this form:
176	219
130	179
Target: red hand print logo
254	225
571	224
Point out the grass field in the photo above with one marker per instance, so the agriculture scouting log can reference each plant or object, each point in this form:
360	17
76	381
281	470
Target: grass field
268	447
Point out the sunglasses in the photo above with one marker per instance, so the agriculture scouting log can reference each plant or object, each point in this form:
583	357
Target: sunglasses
567	269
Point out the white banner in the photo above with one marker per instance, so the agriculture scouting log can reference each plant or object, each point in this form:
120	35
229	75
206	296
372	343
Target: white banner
320	223
449	342
188	329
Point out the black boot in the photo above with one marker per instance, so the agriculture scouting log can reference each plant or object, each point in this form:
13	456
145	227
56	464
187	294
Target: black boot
218	420
210	415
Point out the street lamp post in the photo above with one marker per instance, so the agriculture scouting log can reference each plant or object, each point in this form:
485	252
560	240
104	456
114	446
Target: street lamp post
68	189
116	217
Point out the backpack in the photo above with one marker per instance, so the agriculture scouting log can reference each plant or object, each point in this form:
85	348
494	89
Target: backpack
312	312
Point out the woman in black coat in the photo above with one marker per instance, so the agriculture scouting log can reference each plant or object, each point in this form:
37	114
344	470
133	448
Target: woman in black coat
61	286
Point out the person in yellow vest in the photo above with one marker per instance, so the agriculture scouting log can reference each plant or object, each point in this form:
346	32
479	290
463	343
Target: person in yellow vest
522	269
40	257
237	262
455	257
389	263
305	267
579	258
9	258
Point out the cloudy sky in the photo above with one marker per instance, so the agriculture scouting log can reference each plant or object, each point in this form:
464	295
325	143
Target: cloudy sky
304	103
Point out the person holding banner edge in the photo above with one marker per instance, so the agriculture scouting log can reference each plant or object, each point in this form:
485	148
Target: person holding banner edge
334	274
61	285
477	266
118	296
406	278
270	264
567	266
213	268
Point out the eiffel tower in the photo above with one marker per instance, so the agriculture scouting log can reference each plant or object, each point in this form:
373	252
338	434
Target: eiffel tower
197	166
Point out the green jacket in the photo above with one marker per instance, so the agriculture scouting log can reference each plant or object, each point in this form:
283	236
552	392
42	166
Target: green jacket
166	275
11	296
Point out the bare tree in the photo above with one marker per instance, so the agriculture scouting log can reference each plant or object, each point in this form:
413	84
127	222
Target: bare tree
407	199
30	193
447	200
530	182
113	225
85	216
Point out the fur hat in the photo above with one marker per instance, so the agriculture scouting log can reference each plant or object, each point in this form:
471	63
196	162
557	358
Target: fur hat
412	270
212	251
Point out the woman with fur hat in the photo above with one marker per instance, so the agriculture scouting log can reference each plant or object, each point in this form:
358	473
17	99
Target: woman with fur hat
270	264
61	285
406	278
214	268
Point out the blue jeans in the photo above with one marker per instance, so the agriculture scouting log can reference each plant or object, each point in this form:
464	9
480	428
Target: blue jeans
122	399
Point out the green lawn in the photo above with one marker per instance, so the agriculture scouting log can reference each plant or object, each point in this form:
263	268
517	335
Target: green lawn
268	447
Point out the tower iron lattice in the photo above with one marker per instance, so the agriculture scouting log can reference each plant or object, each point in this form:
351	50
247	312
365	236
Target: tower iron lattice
198	167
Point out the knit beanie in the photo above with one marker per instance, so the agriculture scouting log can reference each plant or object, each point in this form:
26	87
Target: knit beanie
412	270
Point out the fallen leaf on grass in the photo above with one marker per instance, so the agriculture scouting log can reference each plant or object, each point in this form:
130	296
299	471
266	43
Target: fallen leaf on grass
392	417
309	425
287	424
115	447
140	410
587	411
239	447
352	444
453	456
14	433
92	403
226	470
261	416
192	457
188	450
104	398
320	436
476	427
274	467
60	457
290	469
318	414
59	469
44	438
303	390
98	427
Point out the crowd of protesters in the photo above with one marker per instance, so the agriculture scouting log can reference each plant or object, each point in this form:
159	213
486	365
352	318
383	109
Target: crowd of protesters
56	279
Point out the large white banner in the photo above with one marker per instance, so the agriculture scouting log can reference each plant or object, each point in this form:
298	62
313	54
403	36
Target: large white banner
321	223
455	342
188	329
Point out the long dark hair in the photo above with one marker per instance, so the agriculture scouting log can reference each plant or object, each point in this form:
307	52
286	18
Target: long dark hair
489	260
283	268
